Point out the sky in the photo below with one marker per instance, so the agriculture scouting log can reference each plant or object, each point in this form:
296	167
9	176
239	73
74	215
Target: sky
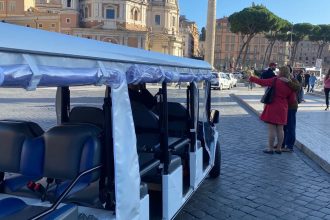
296	11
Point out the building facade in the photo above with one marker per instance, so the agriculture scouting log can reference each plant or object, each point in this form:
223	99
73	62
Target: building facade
147	24
306	55
228	44
190	35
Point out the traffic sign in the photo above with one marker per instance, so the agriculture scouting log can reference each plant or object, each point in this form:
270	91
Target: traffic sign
318	63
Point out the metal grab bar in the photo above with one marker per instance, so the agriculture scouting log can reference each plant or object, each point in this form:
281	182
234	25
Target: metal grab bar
65	193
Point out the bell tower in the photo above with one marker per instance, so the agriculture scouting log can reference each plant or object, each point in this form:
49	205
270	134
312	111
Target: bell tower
163	20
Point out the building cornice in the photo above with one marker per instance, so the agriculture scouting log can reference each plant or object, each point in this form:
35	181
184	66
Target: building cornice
106	31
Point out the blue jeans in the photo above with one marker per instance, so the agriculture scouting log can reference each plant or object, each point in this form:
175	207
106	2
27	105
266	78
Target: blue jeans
290	129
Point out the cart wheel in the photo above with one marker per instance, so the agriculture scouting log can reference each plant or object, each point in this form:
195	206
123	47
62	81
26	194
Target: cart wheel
215	171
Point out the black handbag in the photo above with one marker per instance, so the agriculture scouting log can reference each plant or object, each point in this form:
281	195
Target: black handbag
267	98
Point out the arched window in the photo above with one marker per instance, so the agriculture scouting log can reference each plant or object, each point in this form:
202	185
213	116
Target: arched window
135	14
110	40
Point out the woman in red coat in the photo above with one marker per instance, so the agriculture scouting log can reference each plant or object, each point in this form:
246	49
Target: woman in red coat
275	113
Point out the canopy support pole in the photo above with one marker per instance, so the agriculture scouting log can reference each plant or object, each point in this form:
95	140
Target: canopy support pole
36	75
164	129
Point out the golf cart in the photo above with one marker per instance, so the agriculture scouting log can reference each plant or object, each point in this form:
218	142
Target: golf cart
140	156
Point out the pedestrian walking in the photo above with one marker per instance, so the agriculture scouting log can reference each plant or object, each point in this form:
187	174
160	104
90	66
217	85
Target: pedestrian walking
306	83
312	81
250	86
301	80
290	127
178	85
327	89
275	113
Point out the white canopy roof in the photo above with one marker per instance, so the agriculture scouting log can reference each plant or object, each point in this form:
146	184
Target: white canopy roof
32	57
36	41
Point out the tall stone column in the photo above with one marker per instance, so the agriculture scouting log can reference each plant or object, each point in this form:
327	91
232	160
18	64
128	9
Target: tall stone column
210	32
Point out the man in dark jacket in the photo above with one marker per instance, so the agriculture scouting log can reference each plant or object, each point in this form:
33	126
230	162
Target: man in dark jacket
290	127
306	84
270	72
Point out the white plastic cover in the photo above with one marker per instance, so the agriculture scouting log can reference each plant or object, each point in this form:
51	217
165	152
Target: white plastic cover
210	133
156	74
34	58
32	71
127	176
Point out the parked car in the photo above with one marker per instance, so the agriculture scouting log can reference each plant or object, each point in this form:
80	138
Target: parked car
233	80
220	81
238	75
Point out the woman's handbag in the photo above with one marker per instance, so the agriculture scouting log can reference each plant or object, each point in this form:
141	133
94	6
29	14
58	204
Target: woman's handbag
267	98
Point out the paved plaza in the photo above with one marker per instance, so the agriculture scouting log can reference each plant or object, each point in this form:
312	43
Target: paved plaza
252	185
312	123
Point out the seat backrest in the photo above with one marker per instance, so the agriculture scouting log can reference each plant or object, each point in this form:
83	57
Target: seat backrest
86	114
178	124
13	135
142	96
71	149
145	121
146	126
177	119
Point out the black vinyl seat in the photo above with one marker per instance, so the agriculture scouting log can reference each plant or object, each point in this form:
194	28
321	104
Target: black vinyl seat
148	163
148	144
177	119
86	136
147	131
14	135
87	114
147	136
174	163
68	150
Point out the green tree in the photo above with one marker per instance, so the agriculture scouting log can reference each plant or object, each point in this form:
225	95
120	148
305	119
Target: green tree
279	32
249	22
321	35
301	31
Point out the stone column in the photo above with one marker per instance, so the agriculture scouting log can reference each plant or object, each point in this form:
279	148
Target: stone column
126	40
210	32
140	42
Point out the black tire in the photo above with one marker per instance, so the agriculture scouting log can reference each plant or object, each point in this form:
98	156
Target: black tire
215	171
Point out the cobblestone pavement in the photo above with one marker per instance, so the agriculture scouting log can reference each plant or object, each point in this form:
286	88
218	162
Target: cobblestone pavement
252	185
312	123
